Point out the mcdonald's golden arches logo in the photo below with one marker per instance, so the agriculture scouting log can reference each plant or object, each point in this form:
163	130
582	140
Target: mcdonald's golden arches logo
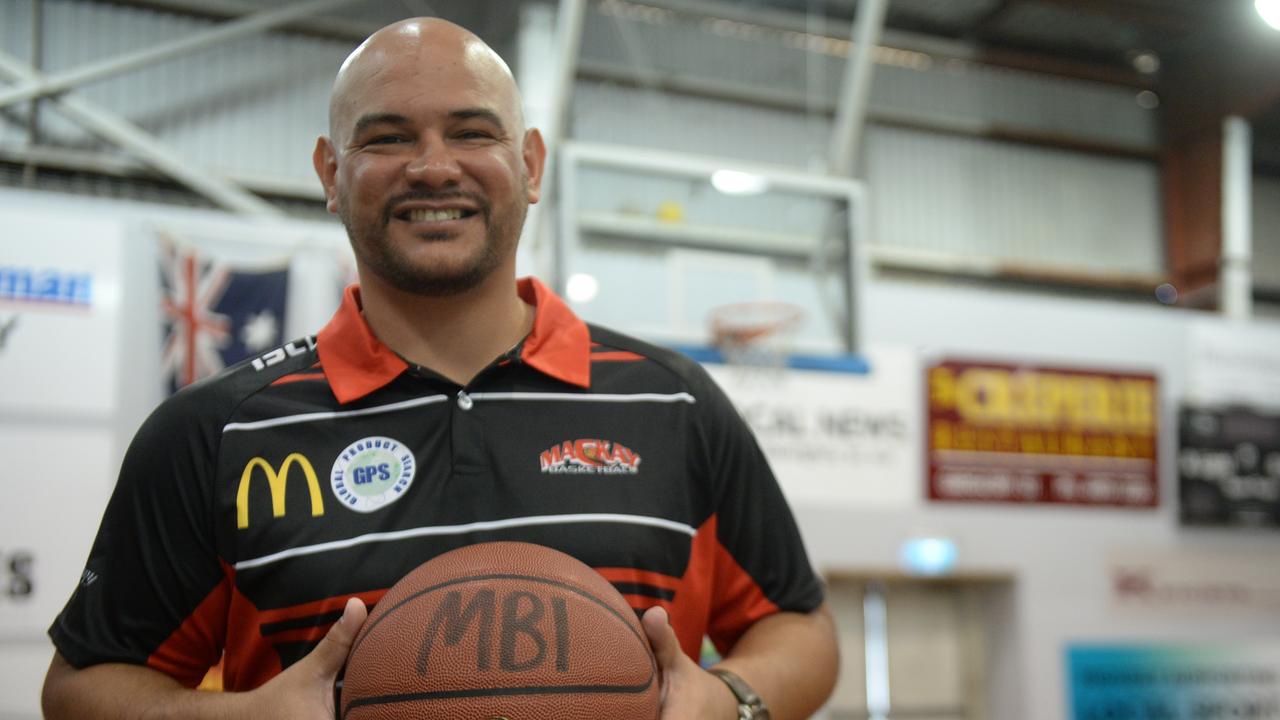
278	481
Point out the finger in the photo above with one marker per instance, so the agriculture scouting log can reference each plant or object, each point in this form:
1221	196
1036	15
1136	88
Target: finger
330	654
666	647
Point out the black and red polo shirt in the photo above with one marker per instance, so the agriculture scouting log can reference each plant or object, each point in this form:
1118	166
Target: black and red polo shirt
251	505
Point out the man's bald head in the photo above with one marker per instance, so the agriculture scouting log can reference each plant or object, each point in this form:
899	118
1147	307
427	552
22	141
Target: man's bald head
428	162
416	51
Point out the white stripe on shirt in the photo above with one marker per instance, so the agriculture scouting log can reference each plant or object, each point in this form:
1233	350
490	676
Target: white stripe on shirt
483	396
466	528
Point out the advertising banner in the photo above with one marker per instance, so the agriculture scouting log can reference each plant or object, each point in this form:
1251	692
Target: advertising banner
1183	584
1229	467
60	480
1233	363
60	288
835	437
1174	682
1028	434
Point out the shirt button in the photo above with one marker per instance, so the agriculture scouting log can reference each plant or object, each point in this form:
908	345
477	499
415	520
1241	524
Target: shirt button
464	400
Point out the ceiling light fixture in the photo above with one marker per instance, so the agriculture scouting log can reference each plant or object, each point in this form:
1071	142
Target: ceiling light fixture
1270	11
928	555
1145	61
582	288
735	182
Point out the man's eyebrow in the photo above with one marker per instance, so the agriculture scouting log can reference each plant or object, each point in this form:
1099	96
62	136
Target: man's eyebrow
480	113
366	121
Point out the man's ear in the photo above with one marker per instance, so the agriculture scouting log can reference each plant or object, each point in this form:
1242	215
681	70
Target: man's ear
326	163
535	160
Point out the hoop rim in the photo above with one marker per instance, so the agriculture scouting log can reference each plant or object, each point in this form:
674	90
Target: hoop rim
740	323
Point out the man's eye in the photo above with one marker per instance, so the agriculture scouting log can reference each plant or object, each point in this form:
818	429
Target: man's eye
474	135
385	140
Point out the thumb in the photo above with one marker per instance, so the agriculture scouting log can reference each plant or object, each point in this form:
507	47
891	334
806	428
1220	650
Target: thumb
330	654
666	647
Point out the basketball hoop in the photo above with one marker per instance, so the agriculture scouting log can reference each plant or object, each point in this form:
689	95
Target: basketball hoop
754	334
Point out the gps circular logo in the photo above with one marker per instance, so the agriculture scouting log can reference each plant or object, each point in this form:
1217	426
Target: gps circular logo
372	473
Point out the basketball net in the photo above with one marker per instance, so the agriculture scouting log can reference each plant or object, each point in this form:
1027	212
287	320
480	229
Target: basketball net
754	337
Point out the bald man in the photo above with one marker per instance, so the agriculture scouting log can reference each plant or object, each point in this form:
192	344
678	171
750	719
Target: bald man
431	170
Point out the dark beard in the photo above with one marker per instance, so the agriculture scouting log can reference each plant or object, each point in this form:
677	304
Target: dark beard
375	253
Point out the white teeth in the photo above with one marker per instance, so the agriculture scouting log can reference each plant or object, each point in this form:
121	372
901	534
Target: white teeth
421	215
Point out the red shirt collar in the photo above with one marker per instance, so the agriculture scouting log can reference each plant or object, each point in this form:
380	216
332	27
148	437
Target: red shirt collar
356	362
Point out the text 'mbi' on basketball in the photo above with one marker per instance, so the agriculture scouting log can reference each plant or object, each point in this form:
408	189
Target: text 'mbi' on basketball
501	630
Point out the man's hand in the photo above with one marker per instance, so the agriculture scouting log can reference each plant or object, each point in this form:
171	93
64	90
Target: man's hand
688	691
305	689
106	692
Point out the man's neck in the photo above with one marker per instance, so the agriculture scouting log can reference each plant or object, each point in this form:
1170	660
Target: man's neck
456	336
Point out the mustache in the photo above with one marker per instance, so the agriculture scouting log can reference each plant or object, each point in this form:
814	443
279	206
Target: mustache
434	196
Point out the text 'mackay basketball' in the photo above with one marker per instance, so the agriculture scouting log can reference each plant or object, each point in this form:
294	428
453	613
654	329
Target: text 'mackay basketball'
501	631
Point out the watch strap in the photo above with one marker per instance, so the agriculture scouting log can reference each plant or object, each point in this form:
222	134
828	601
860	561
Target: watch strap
750	706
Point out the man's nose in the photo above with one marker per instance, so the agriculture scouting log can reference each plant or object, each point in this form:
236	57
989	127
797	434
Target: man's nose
434	165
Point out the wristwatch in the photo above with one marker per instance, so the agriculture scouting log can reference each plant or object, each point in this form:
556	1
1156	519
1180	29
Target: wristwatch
750	706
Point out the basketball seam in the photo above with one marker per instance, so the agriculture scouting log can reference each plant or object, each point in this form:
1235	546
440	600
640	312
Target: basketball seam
499	692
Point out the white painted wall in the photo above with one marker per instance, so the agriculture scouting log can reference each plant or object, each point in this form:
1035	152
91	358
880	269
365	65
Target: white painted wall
1057	557
63	457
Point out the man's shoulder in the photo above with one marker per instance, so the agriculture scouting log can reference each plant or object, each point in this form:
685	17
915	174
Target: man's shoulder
609	344
218	396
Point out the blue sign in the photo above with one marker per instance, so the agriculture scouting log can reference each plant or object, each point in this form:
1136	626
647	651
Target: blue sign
1174	682
47	285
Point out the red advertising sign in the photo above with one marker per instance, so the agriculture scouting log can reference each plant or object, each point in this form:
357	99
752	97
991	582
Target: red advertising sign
1020	434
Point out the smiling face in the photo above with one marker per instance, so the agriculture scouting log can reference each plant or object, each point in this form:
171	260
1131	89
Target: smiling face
428	163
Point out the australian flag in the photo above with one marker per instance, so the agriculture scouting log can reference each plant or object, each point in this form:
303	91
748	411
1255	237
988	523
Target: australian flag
215	314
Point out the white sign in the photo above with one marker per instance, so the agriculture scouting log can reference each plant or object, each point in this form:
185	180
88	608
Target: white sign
1185	583
60	289
833	437
56	484
1153	681
1234	362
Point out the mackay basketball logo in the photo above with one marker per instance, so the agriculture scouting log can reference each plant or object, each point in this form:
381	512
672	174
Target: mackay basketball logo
590	456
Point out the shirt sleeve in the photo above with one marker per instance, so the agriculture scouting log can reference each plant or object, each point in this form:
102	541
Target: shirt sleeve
761	565
153	591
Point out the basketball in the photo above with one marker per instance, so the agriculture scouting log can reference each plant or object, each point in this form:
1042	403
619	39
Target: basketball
501	631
